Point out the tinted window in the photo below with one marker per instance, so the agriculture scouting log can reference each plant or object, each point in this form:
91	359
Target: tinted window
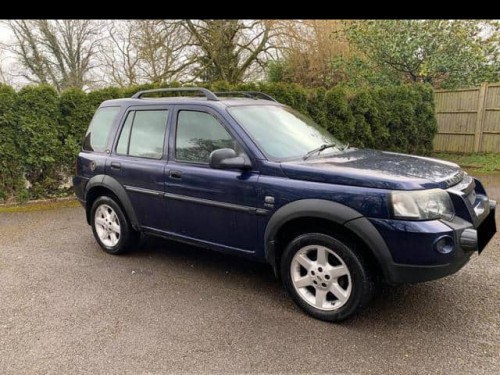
97	135
198	134
143	134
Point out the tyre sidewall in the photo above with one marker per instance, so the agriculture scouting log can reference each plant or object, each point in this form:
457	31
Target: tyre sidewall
359	277
120	247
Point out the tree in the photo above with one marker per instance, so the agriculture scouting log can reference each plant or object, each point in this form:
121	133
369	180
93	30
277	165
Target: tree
3	77
147	51
56	52
162	46
444	53
309	47
120	54
230	50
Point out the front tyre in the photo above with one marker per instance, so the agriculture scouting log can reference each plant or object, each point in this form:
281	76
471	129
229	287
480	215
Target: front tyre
326	277
110	226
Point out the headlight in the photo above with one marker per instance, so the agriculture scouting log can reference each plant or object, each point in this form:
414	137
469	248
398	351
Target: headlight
422	205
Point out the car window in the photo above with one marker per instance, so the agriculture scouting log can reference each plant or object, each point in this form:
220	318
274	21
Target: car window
143	134
97	134
122	147
198	134
283	133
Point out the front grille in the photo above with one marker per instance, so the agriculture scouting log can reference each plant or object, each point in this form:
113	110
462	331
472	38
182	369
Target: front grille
466	185
477	204
471	197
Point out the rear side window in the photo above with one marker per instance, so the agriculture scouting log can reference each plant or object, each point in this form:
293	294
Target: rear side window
143	134
97	135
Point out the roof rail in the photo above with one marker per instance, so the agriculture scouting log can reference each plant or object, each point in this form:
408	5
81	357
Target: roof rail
208	94
249	94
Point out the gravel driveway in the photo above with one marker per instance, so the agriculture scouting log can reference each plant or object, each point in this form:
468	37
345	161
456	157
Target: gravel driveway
67	307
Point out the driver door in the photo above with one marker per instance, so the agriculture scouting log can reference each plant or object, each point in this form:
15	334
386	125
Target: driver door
210	205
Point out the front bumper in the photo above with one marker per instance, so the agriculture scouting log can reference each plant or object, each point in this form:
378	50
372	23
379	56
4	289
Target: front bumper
407	273
413	245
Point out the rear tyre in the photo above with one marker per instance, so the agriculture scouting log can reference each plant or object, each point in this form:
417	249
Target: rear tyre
325	277
111	227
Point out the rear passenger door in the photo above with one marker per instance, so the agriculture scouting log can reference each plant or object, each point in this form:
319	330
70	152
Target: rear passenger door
212	205
138	160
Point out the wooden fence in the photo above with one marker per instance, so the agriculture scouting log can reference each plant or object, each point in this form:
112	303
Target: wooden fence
468	119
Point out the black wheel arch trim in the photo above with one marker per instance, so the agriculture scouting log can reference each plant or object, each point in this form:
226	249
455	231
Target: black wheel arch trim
371	237
118	190
332	211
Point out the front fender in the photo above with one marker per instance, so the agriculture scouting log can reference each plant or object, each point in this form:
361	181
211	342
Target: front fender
317	208
337	213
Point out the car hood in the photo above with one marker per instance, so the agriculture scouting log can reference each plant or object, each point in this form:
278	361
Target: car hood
376	169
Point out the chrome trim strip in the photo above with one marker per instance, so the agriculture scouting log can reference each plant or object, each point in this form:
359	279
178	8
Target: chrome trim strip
208	202
144	191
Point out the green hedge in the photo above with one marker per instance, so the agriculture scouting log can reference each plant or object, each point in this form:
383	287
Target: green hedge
11	170
41	131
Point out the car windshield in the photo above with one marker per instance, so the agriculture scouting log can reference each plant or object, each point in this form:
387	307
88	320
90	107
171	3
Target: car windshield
283	133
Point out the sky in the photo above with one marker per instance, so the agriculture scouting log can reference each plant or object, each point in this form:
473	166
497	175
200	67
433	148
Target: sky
5	37
5	33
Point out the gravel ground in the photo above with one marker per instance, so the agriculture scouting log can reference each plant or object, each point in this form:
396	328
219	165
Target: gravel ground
67	307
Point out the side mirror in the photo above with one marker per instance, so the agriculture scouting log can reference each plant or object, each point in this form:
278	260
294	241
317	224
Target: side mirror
226	158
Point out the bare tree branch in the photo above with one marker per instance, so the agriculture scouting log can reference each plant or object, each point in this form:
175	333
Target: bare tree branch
56	52
230	49
147	51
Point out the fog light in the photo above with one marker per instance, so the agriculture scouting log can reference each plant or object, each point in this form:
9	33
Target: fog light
444	245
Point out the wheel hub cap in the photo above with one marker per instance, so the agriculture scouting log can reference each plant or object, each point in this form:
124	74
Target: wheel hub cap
107	225
320	280
321	277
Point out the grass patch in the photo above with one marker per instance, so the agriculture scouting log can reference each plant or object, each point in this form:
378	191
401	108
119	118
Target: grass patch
40	205
477	162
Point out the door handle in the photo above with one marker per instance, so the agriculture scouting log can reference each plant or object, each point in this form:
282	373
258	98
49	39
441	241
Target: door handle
175	174
116	166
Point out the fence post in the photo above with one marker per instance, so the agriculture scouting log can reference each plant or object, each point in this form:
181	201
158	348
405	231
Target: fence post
480	116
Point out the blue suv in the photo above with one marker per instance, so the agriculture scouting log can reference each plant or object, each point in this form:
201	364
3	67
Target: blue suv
239	173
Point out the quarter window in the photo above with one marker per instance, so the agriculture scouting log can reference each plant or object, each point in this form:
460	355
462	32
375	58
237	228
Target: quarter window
143	134
96	138
198	134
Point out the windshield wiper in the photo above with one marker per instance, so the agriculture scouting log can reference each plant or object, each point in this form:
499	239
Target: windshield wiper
318	150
